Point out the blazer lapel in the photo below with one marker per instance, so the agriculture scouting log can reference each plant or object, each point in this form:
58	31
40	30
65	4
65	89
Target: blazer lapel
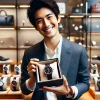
66	53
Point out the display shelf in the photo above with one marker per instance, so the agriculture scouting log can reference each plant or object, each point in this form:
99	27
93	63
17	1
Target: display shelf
11	94
8	62
23	47
95	94
94	47
8	48
77	15
7	5
7	27
25	27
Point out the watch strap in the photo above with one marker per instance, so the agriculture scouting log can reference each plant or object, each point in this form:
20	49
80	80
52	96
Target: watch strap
1	87
49	76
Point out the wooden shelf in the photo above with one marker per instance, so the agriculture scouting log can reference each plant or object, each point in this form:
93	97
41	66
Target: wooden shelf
8	62
7	27
23	47
95	95
25	27
11	95
94	47
8	48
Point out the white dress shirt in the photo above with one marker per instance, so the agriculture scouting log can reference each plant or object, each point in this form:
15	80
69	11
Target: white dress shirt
51	55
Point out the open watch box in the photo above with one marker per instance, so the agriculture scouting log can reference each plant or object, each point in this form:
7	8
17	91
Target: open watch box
49	73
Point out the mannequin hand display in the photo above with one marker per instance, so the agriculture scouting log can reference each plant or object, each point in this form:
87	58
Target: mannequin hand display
62	90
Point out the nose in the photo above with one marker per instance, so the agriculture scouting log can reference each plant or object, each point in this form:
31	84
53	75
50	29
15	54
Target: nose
46	22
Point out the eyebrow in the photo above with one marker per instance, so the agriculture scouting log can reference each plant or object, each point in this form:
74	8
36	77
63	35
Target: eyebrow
45	16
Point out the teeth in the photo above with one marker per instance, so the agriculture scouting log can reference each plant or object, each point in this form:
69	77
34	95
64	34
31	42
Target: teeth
48	28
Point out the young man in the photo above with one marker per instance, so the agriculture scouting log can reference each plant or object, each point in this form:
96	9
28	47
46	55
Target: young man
44	15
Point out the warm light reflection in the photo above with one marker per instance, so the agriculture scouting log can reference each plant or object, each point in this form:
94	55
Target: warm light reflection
27	28
7	28
24	6
76	16
9	6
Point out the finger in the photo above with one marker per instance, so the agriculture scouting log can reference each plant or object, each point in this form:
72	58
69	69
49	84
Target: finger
33	63
65	80
30	72
34	59
31	67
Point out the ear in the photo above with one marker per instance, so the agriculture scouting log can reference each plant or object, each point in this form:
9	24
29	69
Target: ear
59	18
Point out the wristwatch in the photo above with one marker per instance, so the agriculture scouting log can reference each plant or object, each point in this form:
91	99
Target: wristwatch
98	83
94	68
70	94
14	84
48	71
1	84
17	70
5	69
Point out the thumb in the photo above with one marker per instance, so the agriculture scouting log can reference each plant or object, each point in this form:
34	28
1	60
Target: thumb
65	81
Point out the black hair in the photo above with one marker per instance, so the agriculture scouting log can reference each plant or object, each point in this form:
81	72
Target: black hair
37	4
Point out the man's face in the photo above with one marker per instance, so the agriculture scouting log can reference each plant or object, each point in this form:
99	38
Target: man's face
46	22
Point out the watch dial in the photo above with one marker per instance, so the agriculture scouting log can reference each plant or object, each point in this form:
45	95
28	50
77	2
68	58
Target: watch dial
48	69
1	83
16	68
14	83
5	68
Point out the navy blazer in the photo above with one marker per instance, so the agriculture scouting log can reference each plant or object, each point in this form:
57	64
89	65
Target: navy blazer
74	66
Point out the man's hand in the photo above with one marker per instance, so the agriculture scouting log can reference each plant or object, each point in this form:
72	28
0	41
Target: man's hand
32	69
62	90
31	66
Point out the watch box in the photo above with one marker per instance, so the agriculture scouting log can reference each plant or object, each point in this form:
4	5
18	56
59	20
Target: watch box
49	73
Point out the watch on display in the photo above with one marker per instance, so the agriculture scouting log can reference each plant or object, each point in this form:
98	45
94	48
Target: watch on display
48	71
17	70
77	10
5	69
1	84
14	84
98	83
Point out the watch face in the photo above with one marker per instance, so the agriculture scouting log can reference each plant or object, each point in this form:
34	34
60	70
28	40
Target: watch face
48	69
16	68
14	83
5	68
1	83
77	10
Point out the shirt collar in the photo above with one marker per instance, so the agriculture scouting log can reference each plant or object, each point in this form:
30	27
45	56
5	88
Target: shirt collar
57	49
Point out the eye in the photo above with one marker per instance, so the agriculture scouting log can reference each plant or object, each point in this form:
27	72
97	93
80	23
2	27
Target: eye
39	21
49	17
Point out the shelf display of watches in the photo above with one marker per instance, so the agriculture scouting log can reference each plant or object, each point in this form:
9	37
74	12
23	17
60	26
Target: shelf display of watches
48	71
98	83
1	84
14	84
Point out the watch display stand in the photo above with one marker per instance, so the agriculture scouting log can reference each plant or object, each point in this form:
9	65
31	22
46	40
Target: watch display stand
94	72
17	70
48	73
97	83
15	83
6	69
3	84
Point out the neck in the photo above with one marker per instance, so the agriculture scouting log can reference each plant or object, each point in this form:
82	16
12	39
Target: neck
52	43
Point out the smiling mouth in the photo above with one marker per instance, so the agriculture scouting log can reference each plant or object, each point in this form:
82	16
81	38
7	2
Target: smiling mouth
48	29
